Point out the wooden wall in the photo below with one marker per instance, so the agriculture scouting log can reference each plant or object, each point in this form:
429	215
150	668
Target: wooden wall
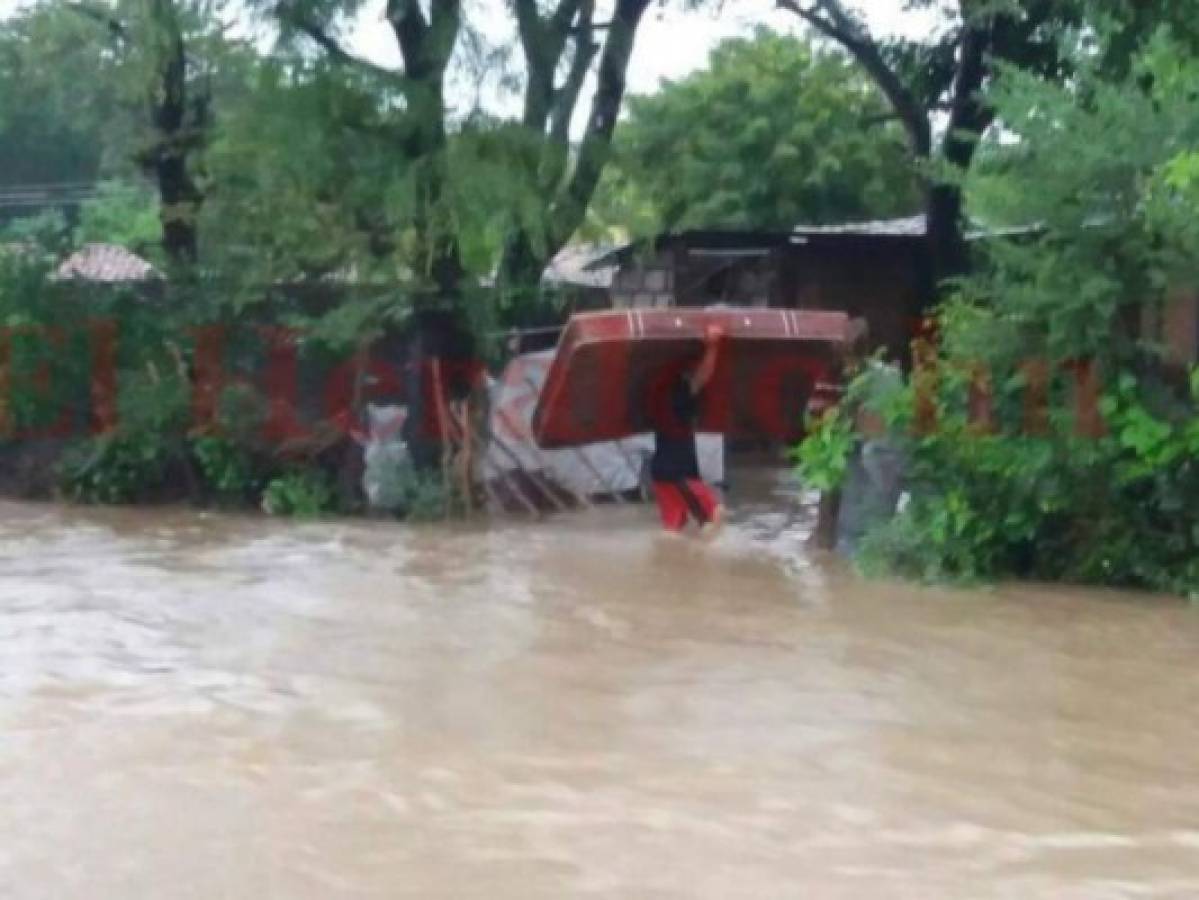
873	278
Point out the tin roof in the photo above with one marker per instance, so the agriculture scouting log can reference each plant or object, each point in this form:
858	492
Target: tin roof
906	226
903	227
728	242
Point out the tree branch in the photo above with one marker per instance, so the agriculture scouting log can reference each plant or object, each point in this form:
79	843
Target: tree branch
969	116
810	15
571	206
838	25
116	28
332	47
407	20
564	15
566	98
443	31
543	41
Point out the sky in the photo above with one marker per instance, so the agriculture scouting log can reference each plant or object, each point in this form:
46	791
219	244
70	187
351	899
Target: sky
671	43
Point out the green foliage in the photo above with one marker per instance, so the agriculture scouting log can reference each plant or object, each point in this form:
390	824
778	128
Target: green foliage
122	213
822	458
120	468
311	179
301	173
136	460
154	402
47	360
58	103
1101	167
227	468
45	232
300	494
422	496
1121	509
773	133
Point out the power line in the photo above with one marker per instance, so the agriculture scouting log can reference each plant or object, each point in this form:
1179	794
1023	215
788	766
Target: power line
47	192
34	202
47	185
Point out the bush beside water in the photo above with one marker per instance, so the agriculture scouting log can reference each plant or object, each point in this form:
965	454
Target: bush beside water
1118	509
156	451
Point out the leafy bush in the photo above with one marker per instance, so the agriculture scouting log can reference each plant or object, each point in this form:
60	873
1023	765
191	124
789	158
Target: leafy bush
822	458
301	494
46	364
1121	509
1106	169
423	497
135	461
227	469
114	469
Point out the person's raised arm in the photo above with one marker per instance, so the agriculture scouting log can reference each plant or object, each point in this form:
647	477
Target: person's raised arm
707	365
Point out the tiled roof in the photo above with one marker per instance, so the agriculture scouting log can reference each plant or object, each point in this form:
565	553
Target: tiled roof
107	263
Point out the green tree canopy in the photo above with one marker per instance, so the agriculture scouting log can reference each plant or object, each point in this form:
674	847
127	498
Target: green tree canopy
58	111
772	133
1102	167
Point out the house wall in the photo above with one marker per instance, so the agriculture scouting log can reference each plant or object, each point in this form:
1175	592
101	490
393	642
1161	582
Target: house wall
704	280
874	279
644	282
1174	326
676	276
1180	328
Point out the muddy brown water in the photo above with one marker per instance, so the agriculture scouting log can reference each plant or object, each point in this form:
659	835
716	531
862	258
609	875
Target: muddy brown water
205	706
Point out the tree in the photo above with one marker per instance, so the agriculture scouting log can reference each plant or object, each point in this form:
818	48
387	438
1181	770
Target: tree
1046	334
773	133
1101	165
59	112
549	109
168	50
121	213
559	43
303	177
947	76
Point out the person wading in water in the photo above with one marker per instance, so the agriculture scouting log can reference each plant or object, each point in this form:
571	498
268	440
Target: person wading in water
674	469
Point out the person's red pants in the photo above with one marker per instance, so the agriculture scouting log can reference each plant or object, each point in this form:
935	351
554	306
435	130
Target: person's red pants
678	500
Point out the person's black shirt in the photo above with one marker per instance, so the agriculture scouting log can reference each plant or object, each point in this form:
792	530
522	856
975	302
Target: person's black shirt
675	456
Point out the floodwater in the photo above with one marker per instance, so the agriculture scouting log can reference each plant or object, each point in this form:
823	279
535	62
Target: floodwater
204	706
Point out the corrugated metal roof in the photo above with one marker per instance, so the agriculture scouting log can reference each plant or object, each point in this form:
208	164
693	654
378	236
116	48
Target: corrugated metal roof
910	228
106	263
904	227
907	226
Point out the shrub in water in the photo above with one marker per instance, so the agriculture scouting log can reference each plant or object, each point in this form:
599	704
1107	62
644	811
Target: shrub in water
227	469
304	494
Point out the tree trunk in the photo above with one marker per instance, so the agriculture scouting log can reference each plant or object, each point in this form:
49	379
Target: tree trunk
969	118
426	44
947	253
176	137
571	206
521	268
549	108
526	256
